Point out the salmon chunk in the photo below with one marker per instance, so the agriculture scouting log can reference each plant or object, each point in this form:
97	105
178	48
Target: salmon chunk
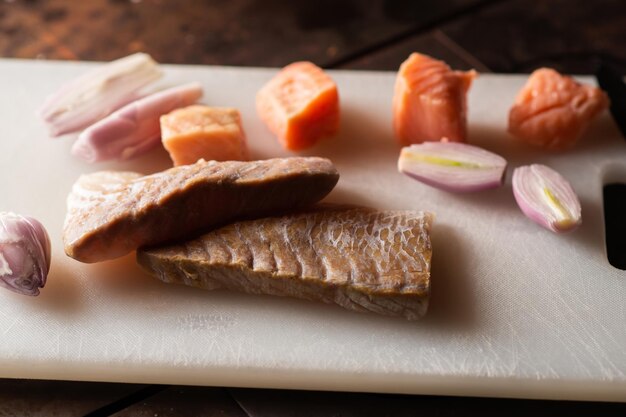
429	101
361	259
552	110
300	105
201	132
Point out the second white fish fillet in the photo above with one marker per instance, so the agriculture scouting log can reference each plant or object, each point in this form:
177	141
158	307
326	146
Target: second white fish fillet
358	258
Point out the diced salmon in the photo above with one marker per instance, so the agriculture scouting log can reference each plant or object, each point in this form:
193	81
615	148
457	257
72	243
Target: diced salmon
552	110
201	132
429	101
300	105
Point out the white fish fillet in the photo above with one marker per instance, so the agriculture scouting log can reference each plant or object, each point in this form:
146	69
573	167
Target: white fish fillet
361	259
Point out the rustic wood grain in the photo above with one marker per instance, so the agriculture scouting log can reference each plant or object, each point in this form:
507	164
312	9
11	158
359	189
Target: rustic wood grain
33	398
283	403
519	36
435	44
225	32
186	401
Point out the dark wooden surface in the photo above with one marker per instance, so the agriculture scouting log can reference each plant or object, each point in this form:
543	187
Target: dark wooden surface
488	35
496	35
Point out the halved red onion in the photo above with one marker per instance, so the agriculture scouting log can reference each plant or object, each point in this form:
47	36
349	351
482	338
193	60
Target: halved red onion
453	166
546	198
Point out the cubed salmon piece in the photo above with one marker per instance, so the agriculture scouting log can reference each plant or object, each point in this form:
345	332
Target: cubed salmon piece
429	101
201	132
552	110
300	105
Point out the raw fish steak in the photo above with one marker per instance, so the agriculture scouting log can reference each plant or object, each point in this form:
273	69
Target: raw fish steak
113	213
552	110
430	101
300	105
361	259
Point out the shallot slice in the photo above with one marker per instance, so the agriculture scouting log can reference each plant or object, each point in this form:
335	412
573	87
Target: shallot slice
24	254
453	166
546	198
97	93
135	128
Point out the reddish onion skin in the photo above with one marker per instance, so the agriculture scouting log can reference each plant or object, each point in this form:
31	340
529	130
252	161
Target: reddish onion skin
455	167
97	93
135	128
546	198
24	254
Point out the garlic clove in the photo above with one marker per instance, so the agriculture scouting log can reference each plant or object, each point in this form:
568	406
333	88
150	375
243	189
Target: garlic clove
24	254
452	166
546	198
98	92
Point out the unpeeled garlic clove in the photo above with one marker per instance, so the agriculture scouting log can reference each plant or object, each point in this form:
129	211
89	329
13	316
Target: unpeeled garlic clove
453	166
98	92
546	198
24	254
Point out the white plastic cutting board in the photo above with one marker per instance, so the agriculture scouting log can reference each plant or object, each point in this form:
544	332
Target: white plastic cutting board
515	311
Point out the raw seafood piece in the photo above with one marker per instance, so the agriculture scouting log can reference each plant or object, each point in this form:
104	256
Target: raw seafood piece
97	93
113	213
361	259
300	105
552	110
453	166
134	128
429	101
202	132
24	254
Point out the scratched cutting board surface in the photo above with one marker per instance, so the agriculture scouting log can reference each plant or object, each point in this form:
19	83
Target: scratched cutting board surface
515	310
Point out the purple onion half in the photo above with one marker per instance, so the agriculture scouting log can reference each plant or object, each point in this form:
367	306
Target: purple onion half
453	166
546	198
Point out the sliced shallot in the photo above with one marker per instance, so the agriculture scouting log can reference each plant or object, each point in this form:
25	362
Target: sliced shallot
133	129
453	166
97	93
546	198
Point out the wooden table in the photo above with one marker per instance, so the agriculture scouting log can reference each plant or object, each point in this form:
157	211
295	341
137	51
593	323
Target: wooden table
488	35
